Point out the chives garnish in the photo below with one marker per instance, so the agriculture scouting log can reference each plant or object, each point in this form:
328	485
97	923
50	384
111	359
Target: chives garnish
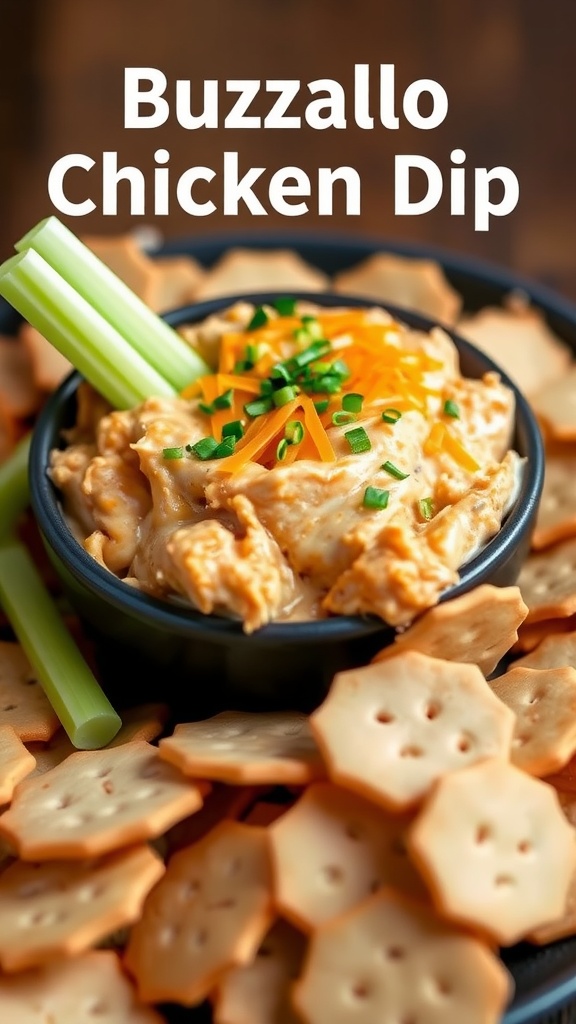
224	401
204	448
253	354
329	384
284	395
242	365
173	453
285	306
352	402
394	471
282	449
340	368
339	419
322	405
266	388
259	319
294	432
281	373
225	448
374	497
391	415
358	440
258	407
451	409
426	507
312	326
204	407
318	348
302	336
233	429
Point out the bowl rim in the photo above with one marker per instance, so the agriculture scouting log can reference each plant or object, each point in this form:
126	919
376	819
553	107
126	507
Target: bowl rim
183	621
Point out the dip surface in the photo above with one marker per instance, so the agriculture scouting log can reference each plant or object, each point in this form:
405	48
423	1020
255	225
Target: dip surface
336	462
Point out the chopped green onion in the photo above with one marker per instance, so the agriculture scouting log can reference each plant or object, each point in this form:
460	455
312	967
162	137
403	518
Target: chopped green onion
358	440
79	332
342	417
281	373
426	507
322	405
294	432
374	497
242	365
282	449
208	409
173	453
266	388
285	306
258	407
284	395
340	368
84	710
233	429
352	402
225	448
204	448
157	344
318	348
253	354
328	384
391	415
302	336
224	401
312	326
394	471
451	409
14	485
259	319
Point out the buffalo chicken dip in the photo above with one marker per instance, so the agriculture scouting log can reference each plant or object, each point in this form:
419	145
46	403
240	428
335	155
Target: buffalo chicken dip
335	462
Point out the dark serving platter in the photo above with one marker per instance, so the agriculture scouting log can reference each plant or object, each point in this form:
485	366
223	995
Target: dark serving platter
545	977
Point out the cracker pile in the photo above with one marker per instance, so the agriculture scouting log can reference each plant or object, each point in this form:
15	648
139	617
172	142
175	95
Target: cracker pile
361	864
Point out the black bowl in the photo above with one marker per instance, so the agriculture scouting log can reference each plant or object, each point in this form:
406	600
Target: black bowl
208	662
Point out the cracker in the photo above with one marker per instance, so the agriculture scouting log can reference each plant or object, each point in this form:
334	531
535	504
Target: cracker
123	255
519	340
260	992
544	702
352	849
49	366
97	801
265	813
56	909
175	283
18	393
390	730
209	913
260	270
479	628
89	988
555	406
223	802
274	747
495	849
554	651
557	510
15	762
420	285
548	582
23	703
392	961
531	636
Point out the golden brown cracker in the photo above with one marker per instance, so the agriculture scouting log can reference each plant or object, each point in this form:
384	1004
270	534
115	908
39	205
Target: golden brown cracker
547	582
209	913
495	849
532	635
78	991
352	848
23	703
16	762
553	651
274	747
391	960
260	992
403	281
223	802
97	801
55	909
49	366
557	510
555	406
544	702
519	340
479	628
175	283
260	270
390	730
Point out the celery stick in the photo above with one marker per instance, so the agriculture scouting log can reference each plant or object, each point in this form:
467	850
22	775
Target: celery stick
14	485
158	343
82	707
91	344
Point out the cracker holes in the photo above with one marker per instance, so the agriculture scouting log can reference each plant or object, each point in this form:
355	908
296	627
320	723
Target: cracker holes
483	834
432	710
189	890
411	751
353	831
333	874
42	919
9	707
394	953
199	938
535	698
227	903
361	991
98	1009
384	717
524	847
464	744
504	881
442	987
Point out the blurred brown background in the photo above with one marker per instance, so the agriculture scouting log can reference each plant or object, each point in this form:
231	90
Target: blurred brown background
509	67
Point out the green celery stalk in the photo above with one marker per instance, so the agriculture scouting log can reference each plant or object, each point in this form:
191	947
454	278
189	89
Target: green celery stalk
158	343
81	334
74	693
14	486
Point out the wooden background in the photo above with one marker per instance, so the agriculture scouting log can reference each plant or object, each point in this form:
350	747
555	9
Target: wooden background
509	67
